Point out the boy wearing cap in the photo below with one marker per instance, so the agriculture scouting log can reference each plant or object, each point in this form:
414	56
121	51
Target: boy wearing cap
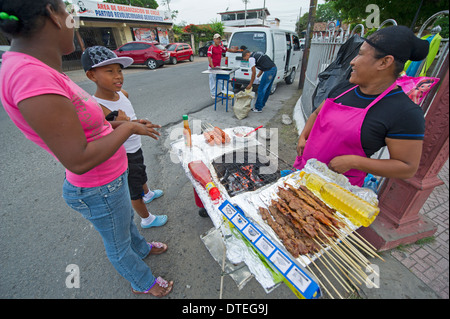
214	59
104	68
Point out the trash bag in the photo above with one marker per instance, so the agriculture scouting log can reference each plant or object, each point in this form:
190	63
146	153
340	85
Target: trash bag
242	104
337	72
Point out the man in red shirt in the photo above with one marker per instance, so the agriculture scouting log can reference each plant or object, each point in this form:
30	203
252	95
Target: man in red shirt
214	59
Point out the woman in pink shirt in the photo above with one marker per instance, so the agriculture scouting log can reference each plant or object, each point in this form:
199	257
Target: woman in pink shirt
56	114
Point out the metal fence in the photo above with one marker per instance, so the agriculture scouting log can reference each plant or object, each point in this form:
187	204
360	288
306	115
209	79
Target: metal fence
323	51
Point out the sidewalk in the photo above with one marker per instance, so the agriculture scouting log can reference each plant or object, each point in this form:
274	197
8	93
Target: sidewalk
430	261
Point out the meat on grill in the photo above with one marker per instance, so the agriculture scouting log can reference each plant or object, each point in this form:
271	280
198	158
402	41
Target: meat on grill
298	217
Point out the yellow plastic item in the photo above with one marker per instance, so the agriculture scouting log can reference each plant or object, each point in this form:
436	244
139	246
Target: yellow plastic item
312	181
357	210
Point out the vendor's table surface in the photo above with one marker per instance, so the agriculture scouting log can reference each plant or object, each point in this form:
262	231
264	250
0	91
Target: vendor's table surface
224	76
245	210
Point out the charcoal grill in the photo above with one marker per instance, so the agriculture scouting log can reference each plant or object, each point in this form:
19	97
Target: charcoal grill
241	170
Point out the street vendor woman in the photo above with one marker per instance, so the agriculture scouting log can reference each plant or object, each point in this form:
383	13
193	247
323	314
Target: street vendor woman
370	112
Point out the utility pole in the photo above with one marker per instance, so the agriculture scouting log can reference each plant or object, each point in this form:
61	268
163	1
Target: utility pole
264	13
245	14
309	31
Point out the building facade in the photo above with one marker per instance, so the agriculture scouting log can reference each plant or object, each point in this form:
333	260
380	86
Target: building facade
111	25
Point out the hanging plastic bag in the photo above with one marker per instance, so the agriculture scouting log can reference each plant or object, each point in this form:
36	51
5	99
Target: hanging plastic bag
242	104
416	88
337	72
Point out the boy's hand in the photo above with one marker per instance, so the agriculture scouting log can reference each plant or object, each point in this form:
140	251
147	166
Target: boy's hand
121	116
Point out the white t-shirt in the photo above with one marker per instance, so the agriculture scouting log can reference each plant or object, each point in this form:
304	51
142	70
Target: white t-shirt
251	64
133	143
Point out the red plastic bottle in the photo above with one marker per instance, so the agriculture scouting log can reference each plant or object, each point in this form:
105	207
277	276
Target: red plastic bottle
201	173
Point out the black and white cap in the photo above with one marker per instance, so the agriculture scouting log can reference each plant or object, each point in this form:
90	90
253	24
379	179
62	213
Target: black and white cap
94	57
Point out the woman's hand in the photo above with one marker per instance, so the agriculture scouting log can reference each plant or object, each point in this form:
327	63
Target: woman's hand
145	127
342	164
301	145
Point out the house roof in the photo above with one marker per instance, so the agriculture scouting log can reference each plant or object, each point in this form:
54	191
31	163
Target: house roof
248	10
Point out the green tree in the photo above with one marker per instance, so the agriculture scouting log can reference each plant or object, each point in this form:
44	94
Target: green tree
150	4
302	24
402	11
326	12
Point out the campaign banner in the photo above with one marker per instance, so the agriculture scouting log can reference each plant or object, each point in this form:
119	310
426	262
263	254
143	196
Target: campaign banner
93	9
163	36
145	34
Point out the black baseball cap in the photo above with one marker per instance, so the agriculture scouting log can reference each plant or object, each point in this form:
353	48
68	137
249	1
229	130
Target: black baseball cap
400	42
96	56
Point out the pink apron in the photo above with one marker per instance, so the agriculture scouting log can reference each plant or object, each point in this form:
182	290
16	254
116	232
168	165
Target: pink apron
336	132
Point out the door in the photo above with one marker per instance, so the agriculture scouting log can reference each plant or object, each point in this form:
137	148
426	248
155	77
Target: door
143	52
279	54
296	53
183	52
128	50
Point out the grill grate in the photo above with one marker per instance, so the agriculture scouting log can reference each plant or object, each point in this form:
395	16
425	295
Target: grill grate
240	171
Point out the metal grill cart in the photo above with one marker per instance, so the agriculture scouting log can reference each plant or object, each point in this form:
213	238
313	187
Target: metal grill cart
224	76
249	237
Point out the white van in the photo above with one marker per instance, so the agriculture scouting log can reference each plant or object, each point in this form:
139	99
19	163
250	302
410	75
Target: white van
282	46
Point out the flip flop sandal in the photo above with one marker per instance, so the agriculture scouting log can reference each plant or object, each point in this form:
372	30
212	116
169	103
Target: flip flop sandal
157	245
161	282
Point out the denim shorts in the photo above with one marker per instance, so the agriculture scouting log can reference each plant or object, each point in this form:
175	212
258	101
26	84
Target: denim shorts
109	209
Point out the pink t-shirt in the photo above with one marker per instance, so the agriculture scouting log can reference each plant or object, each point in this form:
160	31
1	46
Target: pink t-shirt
23	76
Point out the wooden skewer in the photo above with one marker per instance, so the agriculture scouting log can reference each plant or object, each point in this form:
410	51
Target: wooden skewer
349	234
358	238
352	265
346	266
357	256
322	258
318	280
325	278
340	266
316	277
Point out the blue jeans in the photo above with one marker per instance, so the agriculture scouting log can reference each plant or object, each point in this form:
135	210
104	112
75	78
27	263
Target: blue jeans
109	209
264	87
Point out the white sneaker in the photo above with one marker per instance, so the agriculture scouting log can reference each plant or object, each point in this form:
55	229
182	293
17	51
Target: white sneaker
256	110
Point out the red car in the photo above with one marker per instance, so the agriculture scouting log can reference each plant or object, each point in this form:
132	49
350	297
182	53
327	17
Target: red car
180	52
153	54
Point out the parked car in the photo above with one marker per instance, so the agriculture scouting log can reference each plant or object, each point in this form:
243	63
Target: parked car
203	51
3	49
151	54
180	52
